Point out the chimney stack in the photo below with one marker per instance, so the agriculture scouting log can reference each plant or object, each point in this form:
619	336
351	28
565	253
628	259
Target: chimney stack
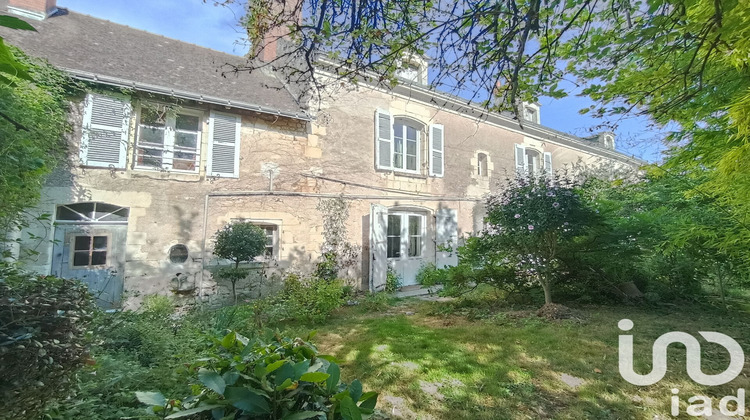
34	9
271	29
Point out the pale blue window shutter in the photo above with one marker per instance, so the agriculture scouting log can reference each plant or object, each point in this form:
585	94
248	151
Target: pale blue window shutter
224	145
383	140
106	124
437	150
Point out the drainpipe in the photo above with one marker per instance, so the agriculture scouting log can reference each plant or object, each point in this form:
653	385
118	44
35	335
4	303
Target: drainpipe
203	249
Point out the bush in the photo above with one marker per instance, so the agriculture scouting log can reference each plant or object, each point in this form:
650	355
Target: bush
281	378
44	326
238	242
392	280
311	299
429	275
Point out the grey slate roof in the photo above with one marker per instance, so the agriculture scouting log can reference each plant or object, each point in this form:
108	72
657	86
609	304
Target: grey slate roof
105	51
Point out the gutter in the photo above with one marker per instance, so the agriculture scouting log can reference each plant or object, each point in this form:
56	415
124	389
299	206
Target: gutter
161	90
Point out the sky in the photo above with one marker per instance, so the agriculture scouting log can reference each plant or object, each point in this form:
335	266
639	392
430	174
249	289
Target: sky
206	24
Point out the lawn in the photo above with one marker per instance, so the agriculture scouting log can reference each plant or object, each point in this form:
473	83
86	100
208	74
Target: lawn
428	363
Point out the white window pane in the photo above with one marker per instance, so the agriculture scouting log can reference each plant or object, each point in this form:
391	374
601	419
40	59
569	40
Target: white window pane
151	135
188	140
149	157
188	122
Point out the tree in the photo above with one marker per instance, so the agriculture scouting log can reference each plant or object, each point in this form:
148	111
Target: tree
238	242
530	221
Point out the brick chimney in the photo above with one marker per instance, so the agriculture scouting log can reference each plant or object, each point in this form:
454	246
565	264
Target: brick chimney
34	9
271	31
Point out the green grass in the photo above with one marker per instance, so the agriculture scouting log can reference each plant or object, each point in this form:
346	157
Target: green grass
507	368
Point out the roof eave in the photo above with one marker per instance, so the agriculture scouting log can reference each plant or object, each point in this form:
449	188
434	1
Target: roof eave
162	90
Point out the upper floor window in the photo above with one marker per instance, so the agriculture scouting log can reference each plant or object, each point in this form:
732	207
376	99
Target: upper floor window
399	145
405	146
530	161
482	167
168	140
410	72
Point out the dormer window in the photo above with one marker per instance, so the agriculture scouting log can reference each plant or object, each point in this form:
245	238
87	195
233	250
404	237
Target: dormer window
531	113
413	69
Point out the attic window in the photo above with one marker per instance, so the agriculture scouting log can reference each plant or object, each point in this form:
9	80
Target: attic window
609	142
410	72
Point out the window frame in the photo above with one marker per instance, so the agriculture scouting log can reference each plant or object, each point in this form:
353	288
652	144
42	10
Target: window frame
405	236
406	124
483	165
92	235
169	148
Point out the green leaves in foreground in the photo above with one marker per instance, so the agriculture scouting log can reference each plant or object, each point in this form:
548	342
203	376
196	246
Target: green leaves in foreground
280	379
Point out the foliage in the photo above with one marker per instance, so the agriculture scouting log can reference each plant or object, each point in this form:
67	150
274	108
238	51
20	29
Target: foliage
337	252
238	242
529	223
280	378
429	275
33	124
311	299
44	327
132	350
393	280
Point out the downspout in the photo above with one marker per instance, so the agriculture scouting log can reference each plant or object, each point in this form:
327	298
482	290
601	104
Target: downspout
203	249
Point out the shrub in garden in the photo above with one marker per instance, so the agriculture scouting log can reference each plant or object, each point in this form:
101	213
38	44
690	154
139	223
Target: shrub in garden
529	223
238	242
392	280
44	324
282	378
311	299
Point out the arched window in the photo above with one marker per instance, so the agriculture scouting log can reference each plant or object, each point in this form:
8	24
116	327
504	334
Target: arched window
533	161
406	144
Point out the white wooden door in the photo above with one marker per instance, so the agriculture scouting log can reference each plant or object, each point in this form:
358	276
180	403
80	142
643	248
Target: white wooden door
406	244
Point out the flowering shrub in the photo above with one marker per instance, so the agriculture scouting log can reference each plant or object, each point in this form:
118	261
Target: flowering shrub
528	223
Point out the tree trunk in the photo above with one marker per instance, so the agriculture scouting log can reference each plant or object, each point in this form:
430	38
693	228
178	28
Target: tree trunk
547	293
234	291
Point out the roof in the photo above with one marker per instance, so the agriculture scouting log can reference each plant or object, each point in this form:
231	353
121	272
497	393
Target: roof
107	52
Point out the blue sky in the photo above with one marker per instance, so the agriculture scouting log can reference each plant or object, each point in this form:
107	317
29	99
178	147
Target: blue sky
208	25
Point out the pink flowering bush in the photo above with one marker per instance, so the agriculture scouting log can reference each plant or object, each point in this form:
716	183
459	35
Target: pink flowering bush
528	223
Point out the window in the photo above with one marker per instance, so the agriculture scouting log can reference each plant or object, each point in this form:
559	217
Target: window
532	162
482	169
91	213
272	239
178	254
89	251
410	72
400	145
405	235
168	140
531	113
405	146
394	235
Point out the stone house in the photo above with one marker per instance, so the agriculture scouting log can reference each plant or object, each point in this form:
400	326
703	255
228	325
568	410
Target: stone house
166	150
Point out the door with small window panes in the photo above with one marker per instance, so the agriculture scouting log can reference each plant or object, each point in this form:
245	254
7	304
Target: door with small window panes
90	246
406	244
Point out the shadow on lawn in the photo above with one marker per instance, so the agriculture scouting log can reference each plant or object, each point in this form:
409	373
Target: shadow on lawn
478	371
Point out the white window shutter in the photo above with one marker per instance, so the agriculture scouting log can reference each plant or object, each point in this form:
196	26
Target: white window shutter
378	247
106	123
548	163
383	140
224	145
521	162
446	235
437	150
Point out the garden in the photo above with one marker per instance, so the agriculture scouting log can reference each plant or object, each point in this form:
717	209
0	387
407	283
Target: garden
525	326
